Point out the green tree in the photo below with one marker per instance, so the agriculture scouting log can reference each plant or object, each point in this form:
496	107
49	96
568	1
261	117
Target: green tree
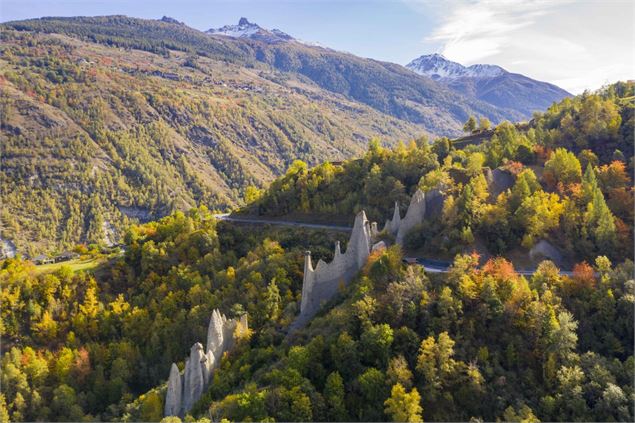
470	125
601	223
399	372
151	407
562	167
375	342
484	123
334	396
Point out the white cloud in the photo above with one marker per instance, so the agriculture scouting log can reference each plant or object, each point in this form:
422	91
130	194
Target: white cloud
577	45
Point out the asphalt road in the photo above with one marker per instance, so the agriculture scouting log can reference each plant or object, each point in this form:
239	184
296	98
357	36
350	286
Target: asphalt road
430	265
227	218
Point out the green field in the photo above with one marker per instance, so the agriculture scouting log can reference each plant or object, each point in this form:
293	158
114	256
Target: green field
89	263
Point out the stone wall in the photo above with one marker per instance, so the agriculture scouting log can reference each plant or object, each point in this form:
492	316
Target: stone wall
185	388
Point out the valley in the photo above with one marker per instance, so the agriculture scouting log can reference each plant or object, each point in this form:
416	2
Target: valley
233	224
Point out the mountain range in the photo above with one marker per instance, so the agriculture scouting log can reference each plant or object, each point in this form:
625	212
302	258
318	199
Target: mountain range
246	29
107	119
490	83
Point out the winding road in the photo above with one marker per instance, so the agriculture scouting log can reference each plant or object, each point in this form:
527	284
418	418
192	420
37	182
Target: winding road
430	265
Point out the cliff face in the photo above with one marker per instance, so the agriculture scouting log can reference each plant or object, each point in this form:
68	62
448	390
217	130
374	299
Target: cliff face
184	389
321	284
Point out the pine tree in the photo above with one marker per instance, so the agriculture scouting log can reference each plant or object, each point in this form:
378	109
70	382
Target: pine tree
601	223
589	184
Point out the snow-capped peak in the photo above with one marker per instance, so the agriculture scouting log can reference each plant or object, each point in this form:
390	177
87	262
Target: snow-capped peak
436	66
246	29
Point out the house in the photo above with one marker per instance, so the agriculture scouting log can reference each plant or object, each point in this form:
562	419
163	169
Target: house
42	259
66	256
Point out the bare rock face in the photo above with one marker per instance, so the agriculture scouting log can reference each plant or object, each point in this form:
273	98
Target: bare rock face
498	180
194	380
392	226
543	249
184	389
215	334
321	283
379	246
415	215
435	199
173	396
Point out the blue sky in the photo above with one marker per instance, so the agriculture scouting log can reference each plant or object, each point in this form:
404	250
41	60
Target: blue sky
574	44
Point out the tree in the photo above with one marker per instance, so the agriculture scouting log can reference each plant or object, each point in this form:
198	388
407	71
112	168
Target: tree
538	215
373	390
46	328
562	167
403	406
345	356
600	223
398	372
524	415
376	341
484	123
526	184
589	184
588	158
564	338
334	396
470	125
441	147
151	407
272	300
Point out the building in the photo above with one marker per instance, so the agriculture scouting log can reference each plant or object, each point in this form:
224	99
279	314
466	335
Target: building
43	259
66	256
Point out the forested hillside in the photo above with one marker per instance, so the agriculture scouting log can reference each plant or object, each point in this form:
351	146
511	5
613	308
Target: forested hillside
111	120
480	342
569	172
397	344
93	136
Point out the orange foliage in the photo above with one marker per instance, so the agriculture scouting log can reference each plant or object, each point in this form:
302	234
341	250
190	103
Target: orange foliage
613	175
514	167
500	268
82	365
543	153
575	191
583	275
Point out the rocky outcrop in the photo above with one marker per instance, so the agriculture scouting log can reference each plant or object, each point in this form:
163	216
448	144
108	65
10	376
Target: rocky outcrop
184	389
322	282
174	392
392	226
498	180
414	215
544	250
194	378
422	206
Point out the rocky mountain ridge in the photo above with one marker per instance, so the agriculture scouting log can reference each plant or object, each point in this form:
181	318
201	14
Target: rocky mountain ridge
490	83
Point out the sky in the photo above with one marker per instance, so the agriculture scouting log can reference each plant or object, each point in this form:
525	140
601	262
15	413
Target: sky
576	45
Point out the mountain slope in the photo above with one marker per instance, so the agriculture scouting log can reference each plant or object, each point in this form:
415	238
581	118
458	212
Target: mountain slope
93	135
108	119
386	87
490	83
